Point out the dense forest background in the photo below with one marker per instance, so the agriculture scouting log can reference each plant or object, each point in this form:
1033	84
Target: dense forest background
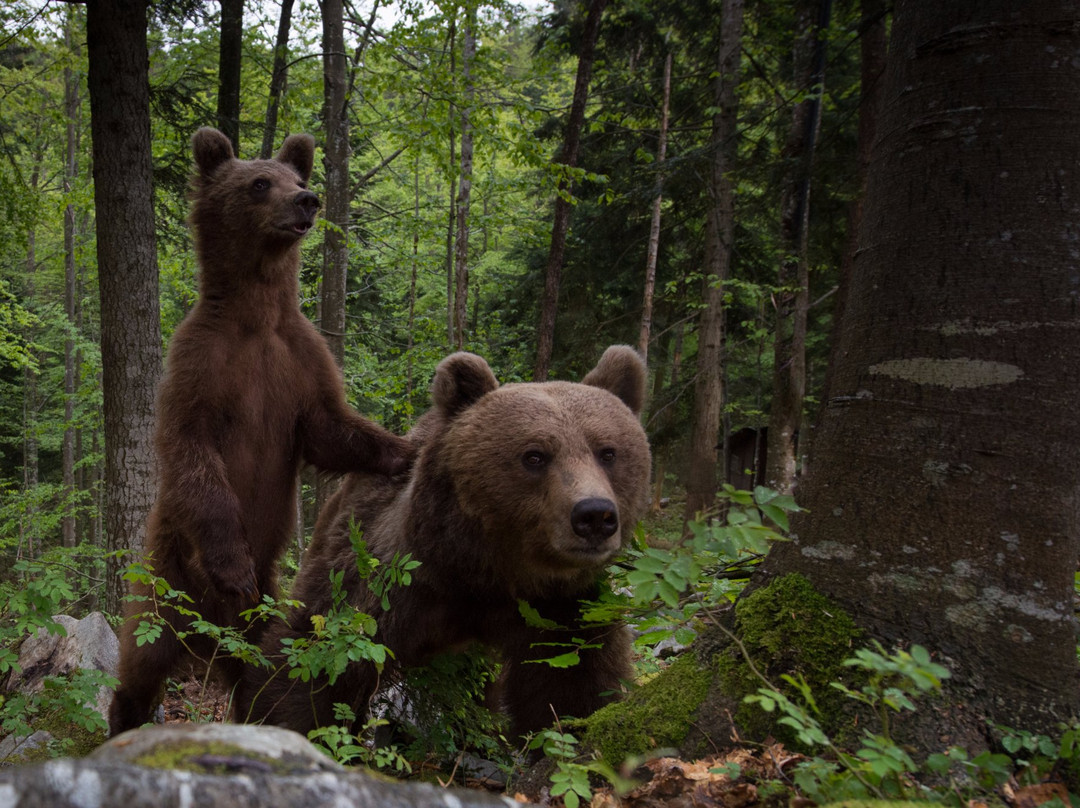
842	232
431	268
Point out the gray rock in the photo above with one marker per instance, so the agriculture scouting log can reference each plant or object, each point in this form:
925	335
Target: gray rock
16	748
211	765
90	644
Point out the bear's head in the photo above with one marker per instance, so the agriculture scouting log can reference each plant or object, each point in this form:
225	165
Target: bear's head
258	205
556	474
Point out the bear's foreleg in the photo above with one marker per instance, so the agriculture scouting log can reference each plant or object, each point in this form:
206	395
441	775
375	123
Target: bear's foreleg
535	694
336	439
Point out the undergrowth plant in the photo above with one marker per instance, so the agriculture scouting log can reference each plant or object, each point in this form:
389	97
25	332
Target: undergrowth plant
37	590
882	768
665	593
342	636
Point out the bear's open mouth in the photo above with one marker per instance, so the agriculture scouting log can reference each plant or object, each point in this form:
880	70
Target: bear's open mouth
301	227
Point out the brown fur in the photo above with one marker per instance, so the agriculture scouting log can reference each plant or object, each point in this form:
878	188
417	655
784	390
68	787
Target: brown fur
250	392
501	505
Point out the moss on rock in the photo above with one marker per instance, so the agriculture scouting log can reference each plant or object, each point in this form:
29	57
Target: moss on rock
789	628
74	740
655	716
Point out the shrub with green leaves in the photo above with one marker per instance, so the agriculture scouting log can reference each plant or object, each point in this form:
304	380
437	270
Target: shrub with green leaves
39	590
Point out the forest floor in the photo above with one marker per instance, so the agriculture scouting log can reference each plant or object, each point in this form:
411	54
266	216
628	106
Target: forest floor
667	782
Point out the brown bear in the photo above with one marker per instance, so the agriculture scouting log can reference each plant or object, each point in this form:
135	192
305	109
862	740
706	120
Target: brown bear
520	492
250	391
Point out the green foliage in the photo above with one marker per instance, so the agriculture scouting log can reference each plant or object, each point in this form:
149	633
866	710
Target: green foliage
672	592
39	590
572	778
881	767
443	713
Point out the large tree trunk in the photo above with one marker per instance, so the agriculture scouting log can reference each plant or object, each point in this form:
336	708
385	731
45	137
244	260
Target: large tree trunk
278	76
653	253
229	60
461	243
561	224
873	43
943	490
793	298
127	267
719	228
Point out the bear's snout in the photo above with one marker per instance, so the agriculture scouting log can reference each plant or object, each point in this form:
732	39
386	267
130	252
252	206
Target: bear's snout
307	202
595	519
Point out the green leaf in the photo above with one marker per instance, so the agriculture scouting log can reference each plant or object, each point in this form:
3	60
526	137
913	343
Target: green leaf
533	618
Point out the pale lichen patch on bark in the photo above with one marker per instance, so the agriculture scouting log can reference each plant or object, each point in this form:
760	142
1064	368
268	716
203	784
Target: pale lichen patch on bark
955	374
829	550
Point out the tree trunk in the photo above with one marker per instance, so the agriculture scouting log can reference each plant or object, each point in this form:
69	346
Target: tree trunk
29	536
451	217
414	271
229	51
567	157
654	226
461	244
278	77
127	267
942	496
719	229
71	113
873	42
337	199
336	165
793	298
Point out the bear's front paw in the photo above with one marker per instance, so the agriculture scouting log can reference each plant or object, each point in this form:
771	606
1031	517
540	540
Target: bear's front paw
233	574
398	458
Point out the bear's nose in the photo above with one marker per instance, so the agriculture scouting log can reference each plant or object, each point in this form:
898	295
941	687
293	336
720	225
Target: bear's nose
595	519
307	201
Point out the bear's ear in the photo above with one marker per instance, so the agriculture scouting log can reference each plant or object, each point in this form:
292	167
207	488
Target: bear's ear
460	381
299	152
622	372
211	148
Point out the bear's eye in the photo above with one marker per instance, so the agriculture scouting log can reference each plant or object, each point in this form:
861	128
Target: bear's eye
606	455
260	185
534	460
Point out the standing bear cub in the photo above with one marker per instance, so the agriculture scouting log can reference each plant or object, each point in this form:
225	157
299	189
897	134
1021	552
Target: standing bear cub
250	391
520	492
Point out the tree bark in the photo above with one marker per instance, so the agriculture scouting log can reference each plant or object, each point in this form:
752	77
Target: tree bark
451	217
873	44
229	59
336	166
279	75
719	229
71	112
793	298
29	536
568	157
653	253
942	494
414	271
127	267
461	243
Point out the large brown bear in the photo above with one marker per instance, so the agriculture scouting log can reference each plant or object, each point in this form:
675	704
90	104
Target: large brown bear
525	491
251	390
